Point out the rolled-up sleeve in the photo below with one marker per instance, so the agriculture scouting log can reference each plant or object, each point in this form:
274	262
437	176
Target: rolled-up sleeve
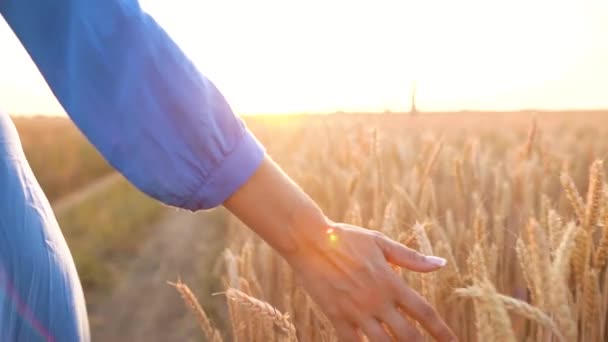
138	98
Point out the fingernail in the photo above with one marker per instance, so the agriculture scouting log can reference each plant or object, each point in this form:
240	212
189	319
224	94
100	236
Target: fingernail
436	260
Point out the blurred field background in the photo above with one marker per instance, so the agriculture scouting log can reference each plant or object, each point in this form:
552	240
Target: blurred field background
60	155
487	186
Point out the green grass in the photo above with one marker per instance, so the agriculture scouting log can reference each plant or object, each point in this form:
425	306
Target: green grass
104	231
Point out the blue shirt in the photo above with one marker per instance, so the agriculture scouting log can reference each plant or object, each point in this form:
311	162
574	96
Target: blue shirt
145	107
41	297
138	98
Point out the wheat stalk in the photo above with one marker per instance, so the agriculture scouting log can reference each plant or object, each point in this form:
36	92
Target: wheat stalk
601	255
262	309
517	306
193	304
594	195
492	305
560	294
573	196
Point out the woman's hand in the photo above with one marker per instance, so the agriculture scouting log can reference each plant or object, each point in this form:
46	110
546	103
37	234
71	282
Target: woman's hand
347	271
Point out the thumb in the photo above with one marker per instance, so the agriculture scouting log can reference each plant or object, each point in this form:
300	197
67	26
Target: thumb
400	255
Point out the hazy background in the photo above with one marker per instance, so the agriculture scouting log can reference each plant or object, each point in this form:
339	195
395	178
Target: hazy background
272	56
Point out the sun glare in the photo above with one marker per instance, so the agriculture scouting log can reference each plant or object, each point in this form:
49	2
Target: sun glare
320	56
484	51
273	56
333	237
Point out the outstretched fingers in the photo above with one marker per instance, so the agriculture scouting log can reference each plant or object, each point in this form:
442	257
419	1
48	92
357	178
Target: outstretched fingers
418	308
374	331
345	331
403	256
400	328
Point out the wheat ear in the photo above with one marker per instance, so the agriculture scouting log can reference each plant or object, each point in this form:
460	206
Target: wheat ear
573	196
560	294
264	310
514	305
193	304
594	195
601	255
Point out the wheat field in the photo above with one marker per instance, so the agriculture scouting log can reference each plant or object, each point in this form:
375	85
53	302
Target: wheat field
516	202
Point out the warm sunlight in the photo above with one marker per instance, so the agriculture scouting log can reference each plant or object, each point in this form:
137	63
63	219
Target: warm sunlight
369	170
273	56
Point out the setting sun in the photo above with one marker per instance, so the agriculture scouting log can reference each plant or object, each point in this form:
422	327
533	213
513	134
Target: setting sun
275	56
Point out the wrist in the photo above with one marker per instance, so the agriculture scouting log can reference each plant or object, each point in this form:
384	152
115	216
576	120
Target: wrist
309	229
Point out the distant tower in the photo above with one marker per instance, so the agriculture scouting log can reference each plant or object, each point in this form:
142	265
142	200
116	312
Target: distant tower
413	110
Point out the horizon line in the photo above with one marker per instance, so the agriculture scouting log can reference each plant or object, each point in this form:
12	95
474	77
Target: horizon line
387	111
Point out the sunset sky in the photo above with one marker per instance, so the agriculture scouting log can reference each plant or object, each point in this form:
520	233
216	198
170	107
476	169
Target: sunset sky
282	56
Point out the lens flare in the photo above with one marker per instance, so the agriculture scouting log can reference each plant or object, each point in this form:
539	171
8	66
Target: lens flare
332	236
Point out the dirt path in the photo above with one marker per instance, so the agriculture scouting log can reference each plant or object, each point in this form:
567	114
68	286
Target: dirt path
87	191
143	307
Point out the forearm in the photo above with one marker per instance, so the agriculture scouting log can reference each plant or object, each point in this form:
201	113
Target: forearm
273	206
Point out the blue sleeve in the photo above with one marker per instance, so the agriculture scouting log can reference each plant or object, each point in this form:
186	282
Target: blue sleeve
137	98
